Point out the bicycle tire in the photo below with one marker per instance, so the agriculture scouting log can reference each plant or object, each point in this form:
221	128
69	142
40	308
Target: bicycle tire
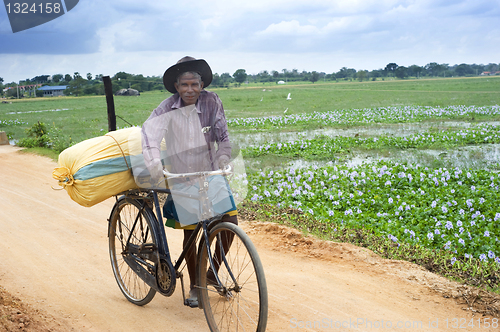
121	221
240	306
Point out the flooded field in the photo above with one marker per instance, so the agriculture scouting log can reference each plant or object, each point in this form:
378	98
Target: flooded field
484	156
396	129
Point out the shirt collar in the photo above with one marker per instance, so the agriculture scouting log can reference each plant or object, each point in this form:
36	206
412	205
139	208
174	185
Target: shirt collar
178	102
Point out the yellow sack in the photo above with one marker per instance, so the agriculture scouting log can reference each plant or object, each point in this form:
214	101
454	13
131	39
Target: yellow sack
98	168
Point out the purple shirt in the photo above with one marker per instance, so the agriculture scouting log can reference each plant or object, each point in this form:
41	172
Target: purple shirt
189	132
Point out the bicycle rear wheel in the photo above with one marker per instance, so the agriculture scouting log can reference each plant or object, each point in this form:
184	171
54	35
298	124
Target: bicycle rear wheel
125	213
241	304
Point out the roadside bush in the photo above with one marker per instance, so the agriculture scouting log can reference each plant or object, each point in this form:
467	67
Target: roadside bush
37	136
58	142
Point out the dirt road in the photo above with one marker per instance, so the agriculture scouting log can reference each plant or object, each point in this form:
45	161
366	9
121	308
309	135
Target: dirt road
54	257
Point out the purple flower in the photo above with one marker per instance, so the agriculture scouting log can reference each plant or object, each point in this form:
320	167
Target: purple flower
491	254
486	233
482	257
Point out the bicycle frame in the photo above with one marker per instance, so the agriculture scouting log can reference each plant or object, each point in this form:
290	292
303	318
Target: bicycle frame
162	242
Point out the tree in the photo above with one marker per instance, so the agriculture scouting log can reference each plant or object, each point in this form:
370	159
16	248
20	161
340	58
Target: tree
263	76
391	68
362	75
401	72
40	79
463	69
67	78
314	76
225	78
492	67
345	73
415	71
1	80
433	69
240	75
57	77
76	75
216	81
89	77
122	76
75	86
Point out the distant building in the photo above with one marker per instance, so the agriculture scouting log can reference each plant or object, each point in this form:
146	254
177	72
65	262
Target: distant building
281	82
53	91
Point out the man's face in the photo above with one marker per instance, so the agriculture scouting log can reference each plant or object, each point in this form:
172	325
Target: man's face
189	88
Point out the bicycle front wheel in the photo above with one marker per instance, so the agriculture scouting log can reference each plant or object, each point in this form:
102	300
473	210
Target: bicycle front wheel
131	222
241	303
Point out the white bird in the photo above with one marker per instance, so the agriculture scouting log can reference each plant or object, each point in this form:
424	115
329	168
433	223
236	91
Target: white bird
261	99
289	98
285	110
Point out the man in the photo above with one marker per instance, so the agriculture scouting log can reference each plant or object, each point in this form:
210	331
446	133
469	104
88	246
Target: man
191	121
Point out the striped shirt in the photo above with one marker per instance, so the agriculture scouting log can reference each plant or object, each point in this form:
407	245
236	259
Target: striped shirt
190	134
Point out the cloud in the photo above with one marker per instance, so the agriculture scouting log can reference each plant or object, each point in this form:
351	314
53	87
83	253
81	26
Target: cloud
323	35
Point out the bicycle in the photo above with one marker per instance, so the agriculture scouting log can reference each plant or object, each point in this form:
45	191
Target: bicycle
233	295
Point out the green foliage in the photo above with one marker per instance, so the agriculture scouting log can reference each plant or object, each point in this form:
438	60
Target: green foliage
58	141
444	210
240	75
327	148
37	136
40	137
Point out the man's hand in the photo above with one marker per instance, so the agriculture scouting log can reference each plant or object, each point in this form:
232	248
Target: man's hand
223	162
156	170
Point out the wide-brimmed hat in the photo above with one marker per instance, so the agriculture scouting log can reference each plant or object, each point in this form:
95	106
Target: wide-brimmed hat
186	64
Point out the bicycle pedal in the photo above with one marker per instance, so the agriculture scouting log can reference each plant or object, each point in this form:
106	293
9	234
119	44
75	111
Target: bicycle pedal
191	303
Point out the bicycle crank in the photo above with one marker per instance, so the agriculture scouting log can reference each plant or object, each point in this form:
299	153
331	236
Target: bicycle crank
165	277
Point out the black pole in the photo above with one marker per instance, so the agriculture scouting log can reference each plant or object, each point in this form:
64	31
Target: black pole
108	89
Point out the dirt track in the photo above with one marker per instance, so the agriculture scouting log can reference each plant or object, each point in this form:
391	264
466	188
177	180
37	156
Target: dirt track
54	257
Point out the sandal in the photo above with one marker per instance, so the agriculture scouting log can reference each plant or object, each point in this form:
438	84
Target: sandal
192	301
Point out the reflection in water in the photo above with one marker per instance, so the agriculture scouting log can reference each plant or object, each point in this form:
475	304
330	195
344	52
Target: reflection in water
398	130
485	156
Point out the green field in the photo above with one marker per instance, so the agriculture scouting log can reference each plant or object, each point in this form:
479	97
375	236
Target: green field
84	117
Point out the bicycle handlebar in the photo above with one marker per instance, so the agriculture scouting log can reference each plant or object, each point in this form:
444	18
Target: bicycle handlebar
226	171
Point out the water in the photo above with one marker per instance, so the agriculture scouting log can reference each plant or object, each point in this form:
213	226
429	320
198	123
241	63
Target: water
397	129
485	156
56	110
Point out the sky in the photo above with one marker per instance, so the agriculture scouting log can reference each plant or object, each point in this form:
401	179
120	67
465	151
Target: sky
146	36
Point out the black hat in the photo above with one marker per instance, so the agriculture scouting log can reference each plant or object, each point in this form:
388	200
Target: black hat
186	64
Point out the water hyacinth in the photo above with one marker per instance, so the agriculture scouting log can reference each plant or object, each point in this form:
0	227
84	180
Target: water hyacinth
7	123
324	146
448	216
395	114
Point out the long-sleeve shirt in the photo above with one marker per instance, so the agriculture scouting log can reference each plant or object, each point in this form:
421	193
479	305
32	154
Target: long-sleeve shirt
190	134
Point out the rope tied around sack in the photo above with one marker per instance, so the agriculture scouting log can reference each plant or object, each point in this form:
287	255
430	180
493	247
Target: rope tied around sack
123	153
63	175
